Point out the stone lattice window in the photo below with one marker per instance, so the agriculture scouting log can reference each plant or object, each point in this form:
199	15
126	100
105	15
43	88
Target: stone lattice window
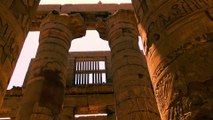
90	72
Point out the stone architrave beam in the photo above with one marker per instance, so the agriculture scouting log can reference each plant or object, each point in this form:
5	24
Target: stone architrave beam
90	12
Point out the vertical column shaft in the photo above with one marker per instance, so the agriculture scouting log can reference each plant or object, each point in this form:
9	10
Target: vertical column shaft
44	93
15	19
179	53
71	76
132	86
67	114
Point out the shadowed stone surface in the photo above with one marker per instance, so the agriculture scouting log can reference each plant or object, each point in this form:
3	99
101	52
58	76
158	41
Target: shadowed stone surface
15	19
78	99
179	53
47	79
132	86
177	39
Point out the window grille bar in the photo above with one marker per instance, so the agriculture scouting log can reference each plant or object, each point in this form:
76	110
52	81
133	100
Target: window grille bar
76	78
97	66
94	65
85	79
90	72
76	66
91	65
79	80
98	82
79	66
82	79
93	77
100	77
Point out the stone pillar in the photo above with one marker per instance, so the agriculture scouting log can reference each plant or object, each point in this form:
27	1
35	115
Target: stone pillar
67	114
43	97
179	53
15	19
70	80
132	86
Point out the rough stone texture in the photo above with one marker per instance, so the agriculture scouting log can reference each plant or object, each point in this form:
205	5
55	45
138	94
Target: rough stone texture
177	37
44	92
15	19
179	53
78	100
90	12
68	113
11	103
132	86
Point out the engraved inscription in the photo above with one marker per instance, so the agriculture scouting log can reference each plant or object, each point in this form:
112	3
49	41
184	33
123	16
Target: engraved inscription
29	2
162	89
178	10
8	47
172	56
18	8
142	8
170	91
22	10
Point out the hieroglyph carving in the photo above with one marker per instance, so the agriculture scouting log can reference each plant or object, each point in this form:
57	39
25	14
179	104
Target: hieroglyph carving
8	46
173	55
142	8
177	101
23	10
178	9
177	104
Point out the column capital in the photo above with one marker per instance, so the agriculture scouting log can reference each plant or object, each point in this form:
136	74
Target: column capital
121	15
104	25
74	22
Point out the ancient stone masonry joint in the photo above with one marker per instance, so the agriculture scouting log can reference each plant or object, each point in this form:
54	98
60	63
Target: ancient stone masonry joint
130	78
50	64
179	33
172	81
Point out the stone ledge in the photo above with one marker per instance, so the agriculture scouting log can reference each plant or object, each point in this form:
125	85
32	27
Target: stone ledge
90	89
74	90
90	12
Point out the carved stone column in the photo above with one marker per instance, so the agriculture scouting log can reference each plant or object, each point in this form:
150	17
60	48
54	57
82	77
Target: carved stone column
132	86
43	97
179	52
15	19
67	114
